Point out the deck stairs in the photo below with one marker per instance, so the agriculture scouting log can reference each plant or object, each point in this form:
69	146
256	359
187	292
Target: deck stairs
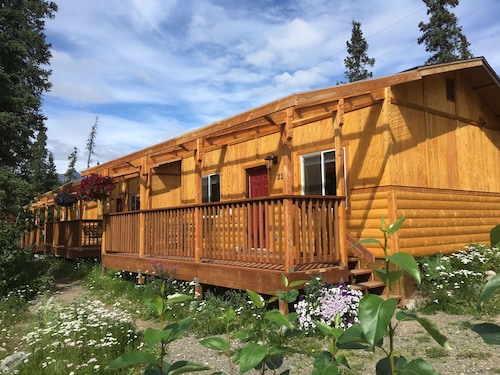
361	274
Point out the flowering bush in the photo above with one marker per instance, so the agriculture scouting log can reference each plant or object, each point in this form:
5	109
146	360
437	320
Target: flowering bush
77	339
323	301
452	282
65	199
94	187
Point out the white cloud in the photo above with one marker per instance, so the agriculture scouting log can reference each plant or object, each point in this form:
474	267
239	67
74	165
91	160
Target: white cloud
152	69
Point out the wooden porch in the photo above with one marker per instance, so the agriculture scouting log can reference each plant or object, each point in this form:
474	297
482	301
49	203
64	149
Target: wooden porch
242	244
72	239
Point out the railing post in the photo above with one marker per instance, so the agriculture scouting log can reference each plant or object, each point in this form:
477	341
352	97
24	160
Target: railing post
338	122
198	221
104	233
288	208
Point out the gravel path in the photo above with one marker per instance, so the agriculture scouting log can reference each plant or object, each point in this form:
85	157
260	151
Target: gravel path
470	355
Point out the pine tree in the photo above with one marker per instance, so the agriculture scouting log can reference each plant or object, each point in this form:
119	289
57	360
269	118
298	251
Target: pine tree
24	77
52	178
357	58
24	55
91	142
442	36
70	174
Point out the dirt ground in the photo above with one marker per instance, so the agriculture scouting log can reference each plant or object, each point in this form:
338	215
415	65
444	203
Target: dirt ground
469	354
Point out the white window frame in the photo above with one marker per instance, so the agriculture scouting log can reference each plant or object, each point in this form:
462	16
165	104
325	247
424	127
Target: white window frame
134	200
208	178
323	183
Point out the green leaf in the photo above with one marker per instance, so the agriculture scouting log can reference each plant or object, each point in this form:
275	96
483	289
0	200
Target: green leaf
353	338
396	225
278	317
417	367
288	296
488	290
182	367
284	280
251	355
406	262
428	325
153	337
229	315
133	359
325	364
489	332
178	297
495	236
327	330
388	277
156	304
155	370
256	299
297	283
178	328
374	316
216	343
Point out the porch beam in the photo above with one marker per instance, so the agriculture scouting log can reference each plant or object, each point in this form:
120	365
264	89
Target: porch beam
341	240
144	203
198	222
289	215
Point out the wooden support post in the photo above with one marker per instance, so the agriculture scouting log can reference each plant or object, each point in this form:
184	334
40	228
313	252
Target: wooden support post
144	202
288	210
283	307
338	122
198	222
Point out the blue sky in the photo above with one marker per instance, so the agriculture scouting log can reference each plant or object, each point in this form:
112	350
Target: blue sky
155	69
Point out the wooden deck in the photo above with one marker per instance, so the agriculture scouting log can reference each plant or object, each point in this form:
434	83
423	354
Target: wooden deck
72	239
259	277
242	244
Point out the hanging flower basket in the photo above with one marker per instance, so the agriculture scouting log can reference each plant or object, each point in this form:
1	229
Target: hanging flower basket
65	199
95	188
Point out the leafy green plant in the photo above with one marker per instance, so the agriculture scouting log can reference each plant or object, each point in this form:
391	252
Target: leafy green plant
77	338
450	282
160	338
376	314
495	236
265	340
489	332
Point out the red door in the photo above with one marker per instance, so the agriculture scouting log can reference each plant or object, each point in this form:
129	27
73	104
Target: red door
258	186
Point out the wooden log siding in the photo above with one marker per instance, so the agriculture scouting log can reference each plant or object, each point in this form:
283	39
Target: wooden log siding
438	220
249	231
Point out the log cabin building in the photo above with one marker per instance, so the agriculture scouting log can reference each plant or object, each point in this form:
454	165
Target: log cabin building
286	187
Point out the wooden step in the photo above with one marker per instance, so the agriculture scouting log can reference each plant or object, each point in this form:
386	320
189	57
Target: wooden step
359	275
360	271
366	286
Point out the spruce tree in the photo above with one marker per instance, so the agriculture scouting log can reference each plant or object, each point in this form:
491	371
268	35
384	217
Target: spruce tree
442	37
24	78
70	174
52	179
357	59
91	142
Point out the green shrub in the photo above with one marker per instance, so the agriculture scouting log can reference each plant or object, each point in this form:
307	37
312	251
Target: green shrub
20	268
452	283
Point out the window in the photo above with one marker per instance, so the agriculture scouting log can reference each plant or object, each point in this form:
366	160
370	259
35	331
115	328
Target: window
318	173
135	202
450	89
210	188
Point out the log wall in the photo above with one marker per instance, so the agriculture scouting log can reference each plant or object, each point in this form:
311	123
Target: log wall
438	220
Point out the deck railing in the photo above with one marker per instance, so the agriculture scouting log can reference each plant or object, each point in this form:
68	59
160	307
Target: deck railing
72	233
291	230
